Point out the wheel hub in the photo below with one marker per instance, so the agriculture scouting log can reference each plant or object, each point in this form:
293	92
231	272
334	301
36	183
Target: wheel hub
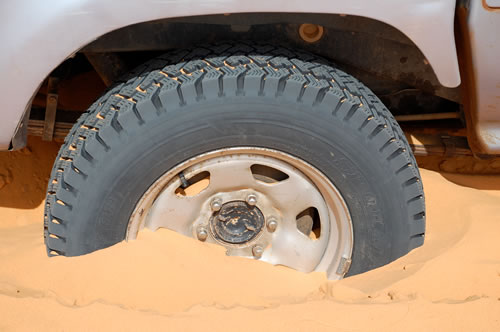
237	222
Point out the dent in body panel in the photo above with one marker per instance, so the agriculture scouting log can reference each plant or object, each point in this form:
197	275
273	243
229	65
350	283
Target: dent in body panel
62	28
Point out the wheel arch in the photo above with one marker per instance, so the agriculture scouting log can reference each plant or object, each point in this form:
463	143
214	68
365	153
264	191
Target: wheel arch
66	27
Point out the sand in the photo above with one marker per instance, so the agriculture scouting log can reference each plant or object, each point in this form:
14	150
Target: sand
169	282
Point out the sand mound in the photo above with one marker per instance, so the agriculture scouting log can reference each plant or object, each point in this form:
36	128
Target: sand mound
164	280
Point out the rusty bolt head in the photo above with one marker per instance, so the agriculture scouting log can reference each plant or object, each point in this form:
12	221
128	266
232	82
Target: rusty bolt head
251	199
215	205
202	233
257	251
52	99
272	224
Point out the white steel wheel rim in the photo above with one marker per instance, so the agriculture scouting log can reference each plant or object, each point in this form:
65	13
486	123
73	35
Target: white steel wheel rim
231	180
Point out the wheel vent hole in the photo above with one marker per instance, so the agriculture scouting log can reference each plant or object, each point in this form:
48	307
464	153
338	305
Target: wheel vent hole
308	223
195	184
267	174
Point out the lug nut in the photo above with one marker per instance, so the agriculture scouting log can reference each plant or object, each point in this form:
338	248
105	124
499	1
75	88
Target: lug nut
202	233
272	224
215	205
251	199
257	251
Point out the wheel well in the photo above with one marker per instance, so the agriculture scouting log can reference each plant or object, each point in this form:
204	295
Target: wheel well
376	53
354	42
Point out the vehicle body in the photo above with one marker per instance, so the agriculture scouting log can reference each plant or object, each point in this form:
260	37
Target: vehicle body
65	27
430	61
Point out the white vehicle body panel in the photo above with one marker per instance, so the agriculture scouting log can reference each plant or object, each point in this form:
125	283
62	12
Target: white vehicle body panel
484	25
36	36
493	3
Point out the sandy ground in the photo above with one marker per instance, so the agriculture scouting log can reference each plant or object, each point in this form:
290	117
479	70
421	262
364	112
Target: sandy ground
169	282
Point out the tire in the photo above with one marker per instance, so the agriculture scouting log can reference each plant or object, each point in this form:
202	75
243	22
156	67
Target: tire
191	102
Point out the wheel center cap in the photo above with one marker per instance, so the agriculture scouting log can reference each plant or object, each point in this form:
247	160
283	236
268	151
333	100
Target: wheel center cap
237	222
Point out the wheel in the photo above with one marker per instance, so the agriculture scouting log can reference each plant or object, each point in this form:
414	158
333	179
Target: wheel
271	153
